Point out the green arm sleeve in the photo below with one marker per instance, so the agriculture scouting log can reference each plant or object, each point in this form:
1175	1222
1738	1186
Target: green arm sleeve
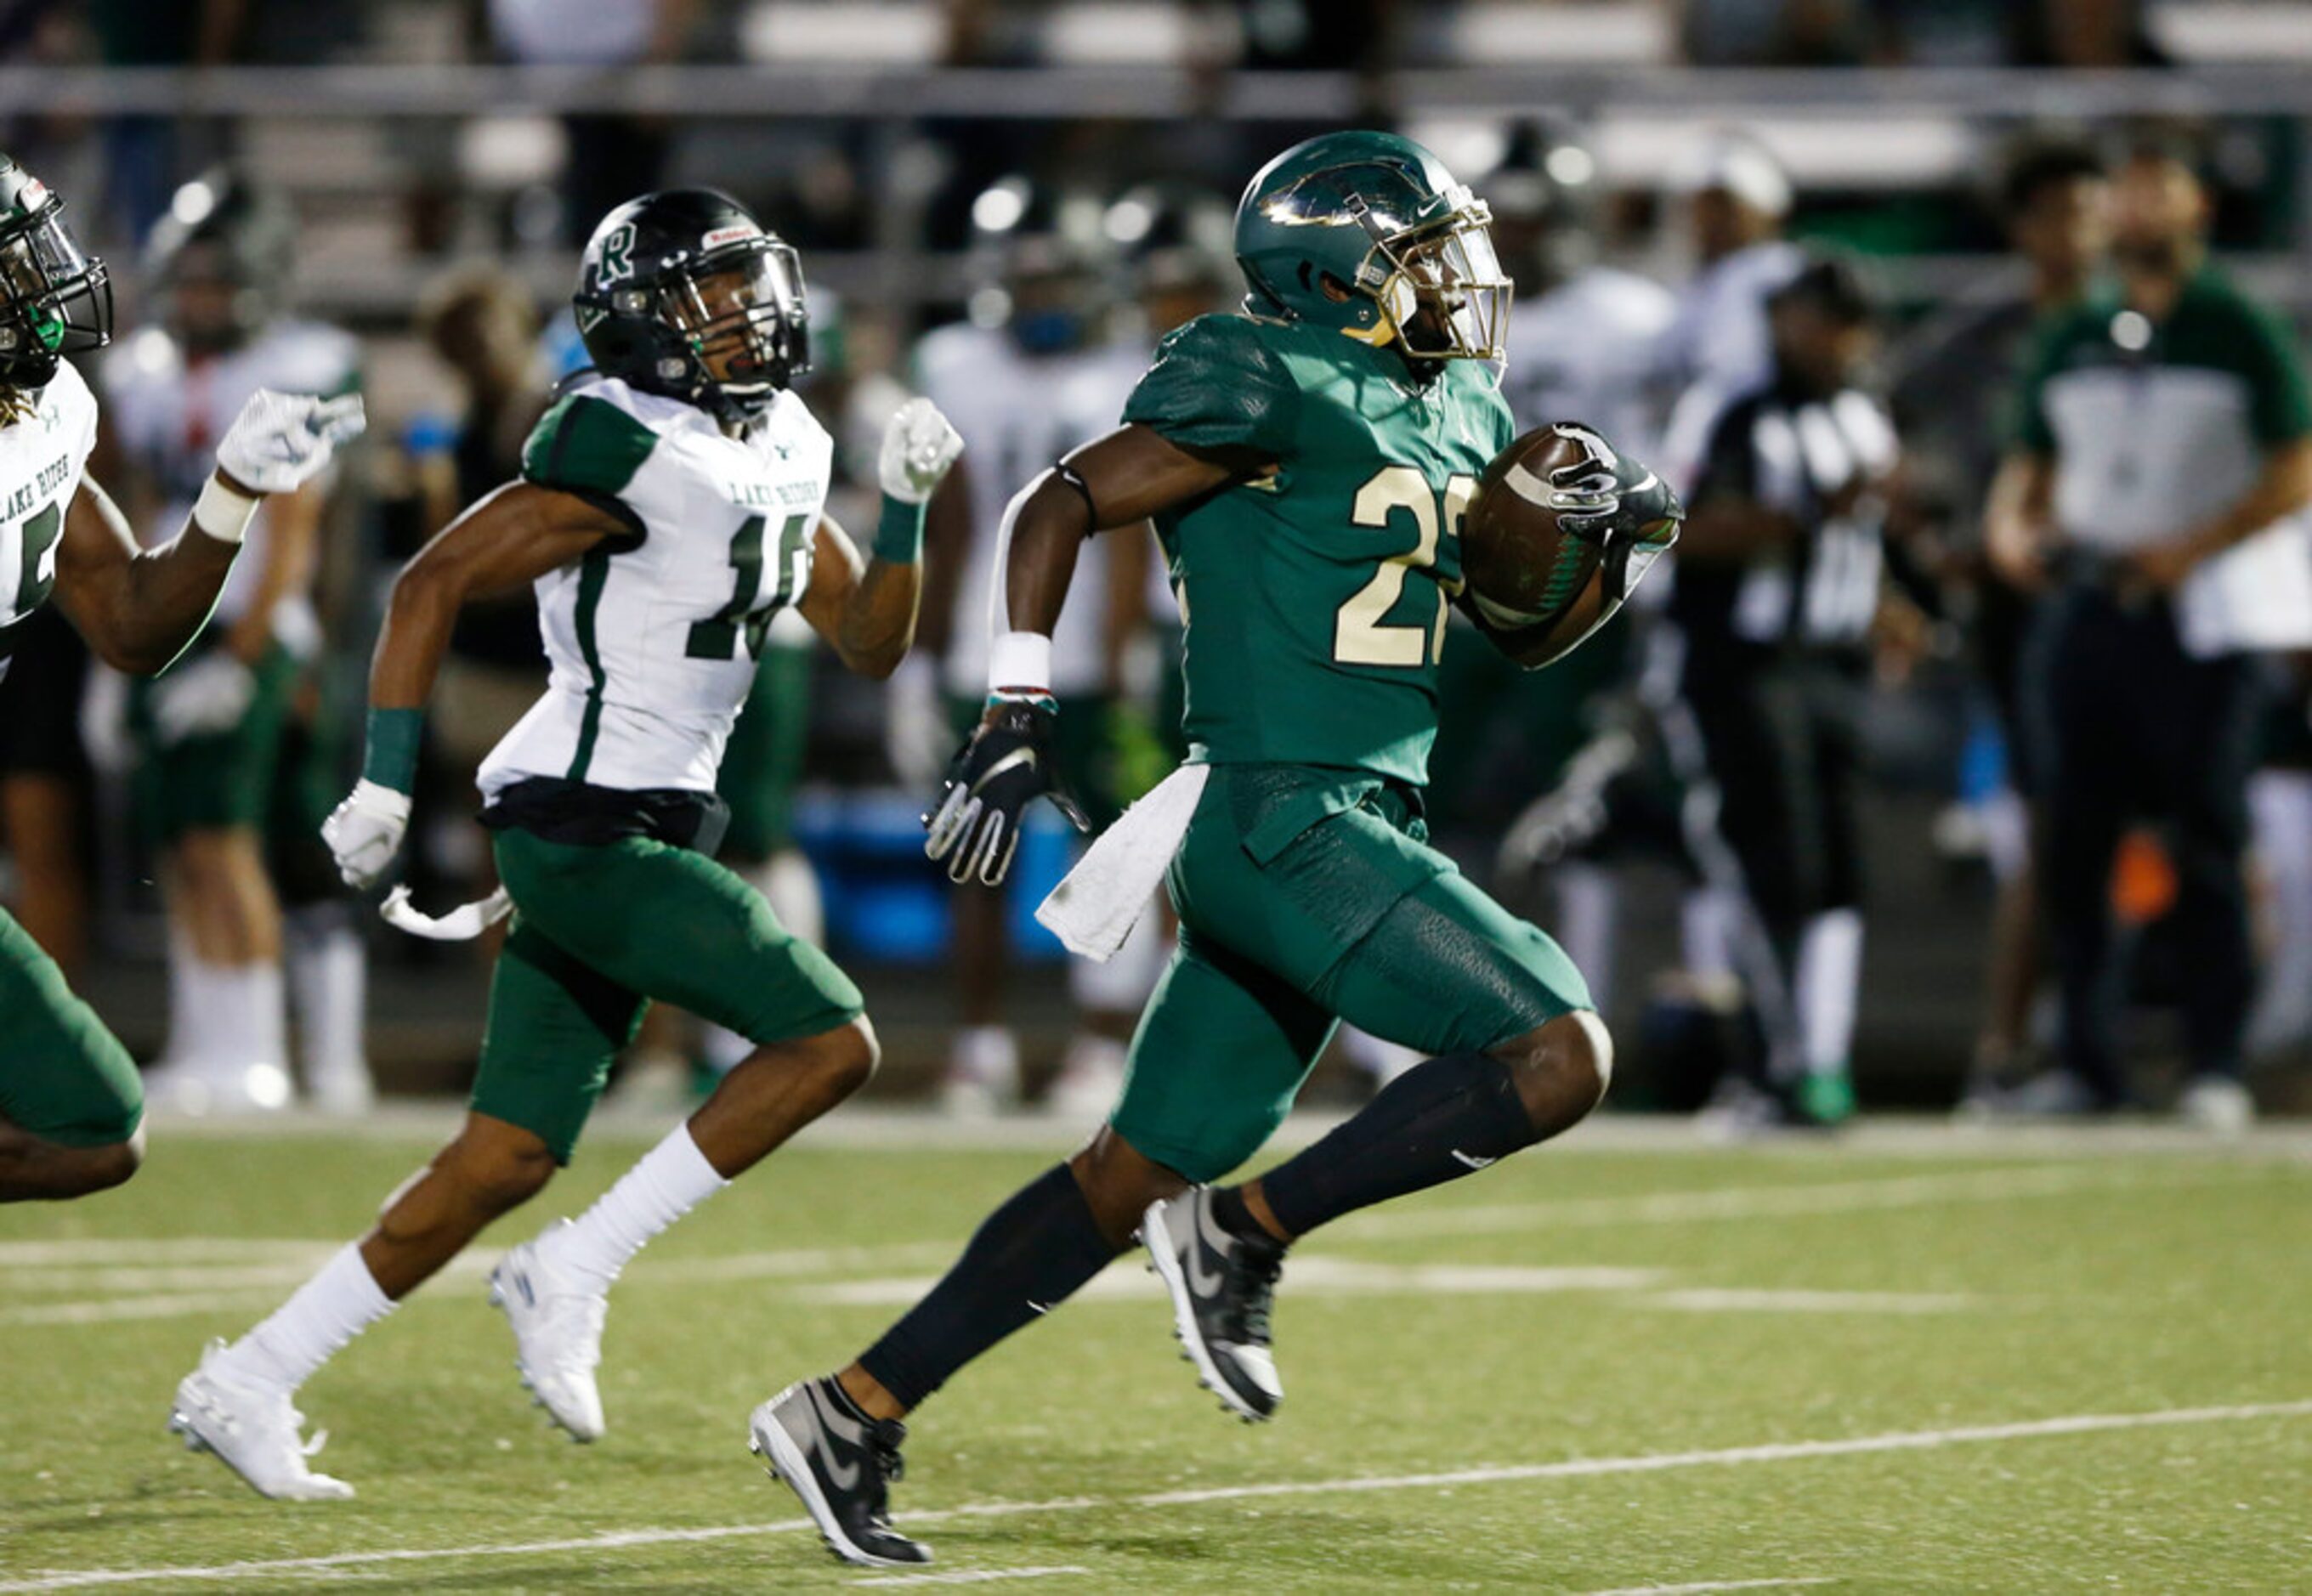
1215	384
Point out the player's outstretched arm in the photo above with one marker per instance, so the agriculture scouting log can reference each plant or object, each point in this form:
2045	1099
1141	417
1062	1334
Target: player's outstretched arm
866	609
503	544
138	608
1120	480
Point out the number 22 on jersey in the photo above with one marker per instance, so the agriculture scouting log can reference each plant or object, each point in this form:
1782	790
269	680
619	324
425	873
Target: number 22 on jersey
1361	633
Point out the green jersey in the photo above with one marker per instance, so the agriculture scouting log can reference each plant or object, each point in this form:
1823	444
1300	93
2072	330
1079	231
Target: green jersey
1315	598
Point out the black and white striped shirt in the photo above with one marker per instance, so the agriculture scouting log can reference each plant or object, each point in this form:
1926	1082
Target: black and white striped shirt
1792	452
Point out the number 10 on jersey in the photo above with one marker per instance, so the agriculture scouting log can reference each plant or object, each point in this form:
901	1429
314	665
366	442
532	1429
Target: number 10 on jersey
748	615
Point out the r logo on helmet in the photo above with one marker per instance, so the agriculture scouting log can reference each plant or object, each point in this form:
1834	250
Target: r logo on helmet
617	263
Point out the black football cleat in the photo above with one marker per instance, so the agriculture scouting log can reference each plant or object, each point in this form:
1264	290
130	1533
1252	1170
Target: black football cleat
1221	1287
841	1465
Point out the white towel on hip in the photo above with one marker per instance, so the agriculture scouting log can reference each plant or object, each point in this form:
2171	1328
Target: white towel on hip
1096	904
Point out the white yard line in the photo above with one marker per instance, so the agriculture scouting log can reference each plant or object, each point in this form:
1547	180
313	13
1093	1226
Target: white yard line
1713	1585
971	1576
1569	1468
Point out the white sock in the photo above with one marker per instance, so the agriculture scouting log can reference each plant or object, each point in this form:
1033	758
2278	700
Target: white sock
1588	901
188	1008
245	1022
303	1333
328	985
670	1181
1829	978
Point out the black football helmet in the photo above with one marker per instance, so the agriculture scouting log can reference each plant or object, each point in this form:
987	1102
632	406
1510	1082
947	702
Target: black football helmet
222	255
55	301
675	279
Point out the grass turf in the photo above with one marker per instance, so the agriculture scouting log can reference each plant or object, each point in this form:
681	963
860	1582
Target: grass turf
1603	1302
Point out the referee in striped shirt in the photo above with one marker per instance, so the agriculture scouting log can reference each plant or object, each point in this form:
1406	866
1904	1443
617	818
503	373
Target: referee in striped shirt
2164	443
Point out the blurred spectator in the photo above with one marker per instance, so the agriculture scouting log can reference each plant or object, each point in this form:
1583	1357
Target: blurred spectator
230	752
2164	431
610	159
1778	590
143	153
1771	32
1954	381
1028	377
484	327
1737	199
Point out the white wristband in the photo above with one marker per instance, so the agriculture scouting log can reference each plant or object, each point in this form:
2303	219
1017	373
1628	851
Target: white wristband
1019	661
223	513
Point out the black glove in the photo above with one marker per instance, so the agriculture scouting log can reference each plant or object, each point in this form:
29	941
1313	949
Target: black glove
1007	765
1638	524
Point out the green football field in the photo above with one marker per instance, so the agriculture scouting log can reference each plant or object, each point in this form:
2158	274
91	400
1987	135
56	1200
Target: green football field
1910	1360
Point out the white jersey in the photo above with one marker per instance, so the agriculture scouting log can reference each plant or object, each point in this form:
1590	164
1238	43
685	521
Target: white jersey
1017	414
1584	352
41	458
652	638
170	410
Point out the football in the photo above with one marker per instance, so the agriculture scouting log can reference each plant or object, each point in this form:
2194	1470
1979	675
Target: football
1521	567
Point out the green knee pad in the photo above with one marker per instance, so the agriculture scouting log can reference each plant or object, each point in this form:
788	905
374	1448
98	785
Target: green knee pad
554	1026
1220	1055
64	1077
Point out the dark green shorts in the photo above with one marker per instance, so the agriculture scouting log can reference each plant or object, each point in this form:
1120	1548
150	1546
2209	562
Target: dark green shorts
597	932
763	764
216	780
64	1077
1088	750
1310	896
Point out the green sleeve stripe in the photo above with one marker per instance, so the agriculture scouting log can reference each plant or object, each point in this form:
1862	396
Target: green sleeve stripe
588	445
593	576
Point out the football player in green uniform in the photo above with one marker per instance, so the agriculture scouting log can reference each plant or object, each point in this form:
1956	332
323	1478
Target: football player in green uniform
71	1105
1307	464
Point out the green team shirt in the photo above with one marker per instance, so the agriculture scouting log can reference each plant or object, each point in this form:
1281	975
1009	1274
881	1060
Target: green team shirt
1315	599
2154	426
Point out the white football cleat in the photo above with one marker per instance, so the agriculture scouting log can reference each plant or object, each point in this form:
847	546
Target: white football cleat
253	1430
557	1335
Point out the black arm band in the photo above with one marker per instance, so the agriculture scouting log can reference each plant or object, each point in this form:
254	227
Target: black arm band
1074	478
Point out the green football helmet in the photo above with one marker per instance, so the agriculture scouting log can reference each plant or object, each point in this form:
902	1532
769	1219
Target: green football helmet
1369	234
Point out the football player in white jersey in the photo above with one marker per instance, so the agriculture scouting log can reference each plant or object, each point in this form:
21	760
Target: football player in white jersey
219	741
1027	378
670	503
71	1106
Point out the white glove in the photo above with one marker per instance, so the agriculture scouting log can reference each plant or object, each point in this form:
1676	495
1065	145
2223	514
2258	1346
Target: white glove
918	446
279	442
365	832
208	695
917	736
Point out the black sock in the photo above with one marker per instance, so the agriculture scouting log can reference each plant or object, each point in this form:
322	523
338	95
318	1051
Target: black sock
1035	1251
1230	1215
1436	1122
